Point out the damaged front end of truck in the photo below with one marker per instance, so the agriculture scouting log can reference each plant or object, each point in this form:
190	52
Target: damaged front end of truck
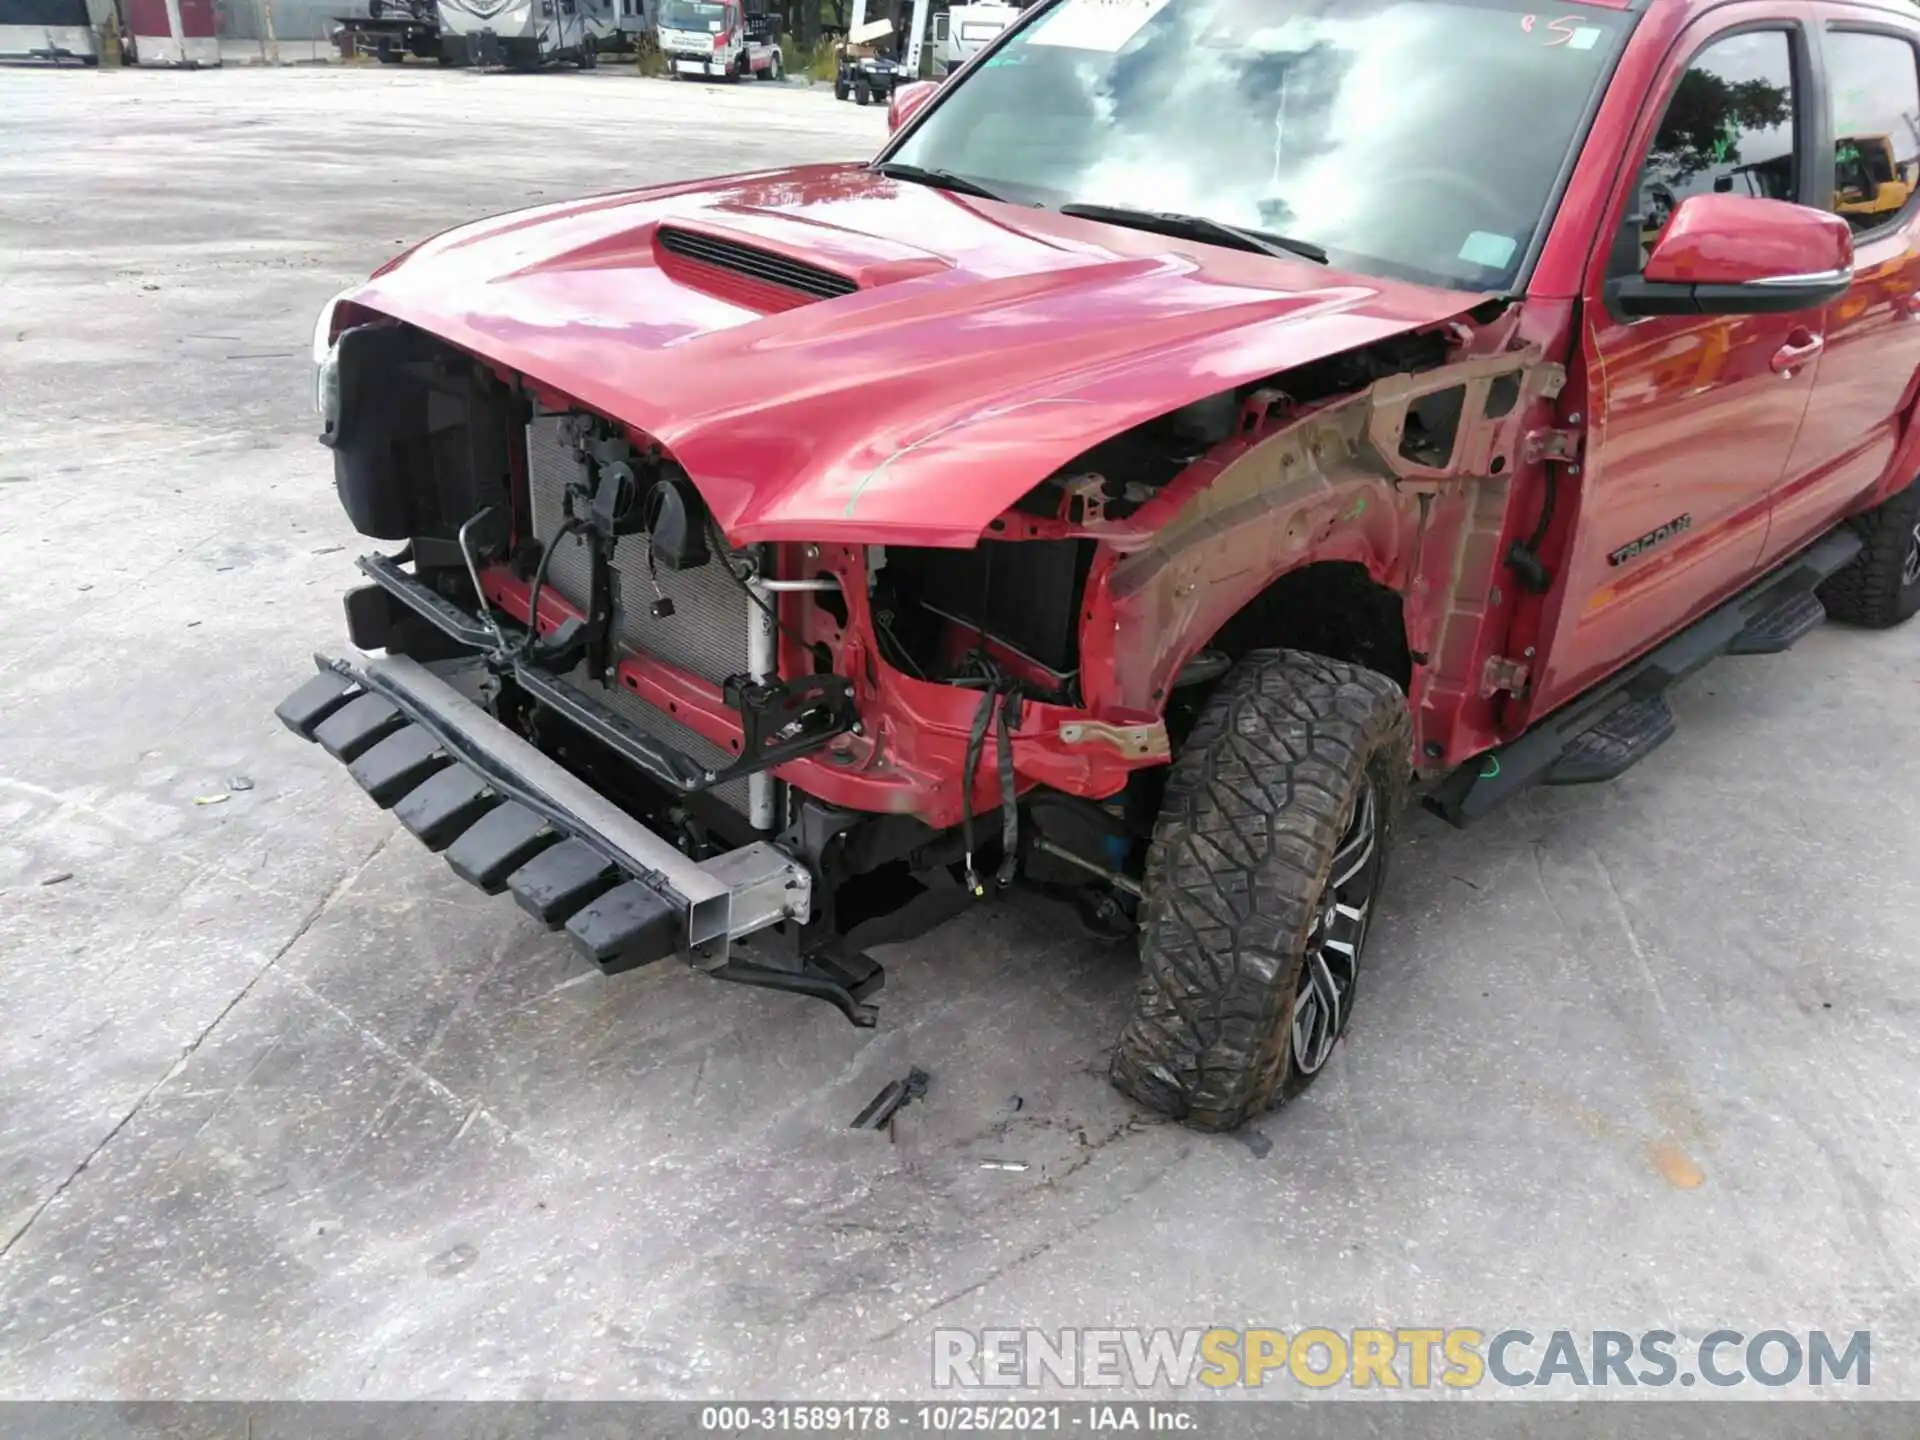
765	727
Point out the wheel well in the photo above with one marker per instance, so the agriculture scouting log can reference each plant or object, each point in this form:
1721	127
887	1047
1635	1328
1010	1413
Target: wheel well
1333	608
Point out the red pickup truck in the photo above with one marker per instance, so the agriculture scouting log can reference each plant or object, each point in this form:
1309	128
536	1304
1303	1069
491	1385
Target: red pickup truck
1207	425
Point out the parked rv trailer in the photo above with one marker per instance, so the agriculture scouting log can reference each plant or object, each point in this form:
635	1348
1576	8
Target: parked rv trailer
526	34
390	31
962	31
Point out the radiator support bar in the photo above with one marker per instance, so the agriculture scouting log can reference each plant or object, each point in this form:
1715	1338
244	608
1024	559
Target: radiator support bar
779	720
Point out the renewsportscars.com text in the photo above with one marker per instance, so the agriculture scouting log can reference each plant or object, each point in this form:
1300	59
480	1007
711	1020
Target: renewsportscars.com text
1403	1358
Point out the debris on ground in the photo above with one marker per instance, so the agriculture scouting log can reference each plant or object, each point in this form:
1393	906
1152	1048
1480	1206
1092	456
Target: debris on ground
238	783
896	1094
210	799
1014	1165
59	877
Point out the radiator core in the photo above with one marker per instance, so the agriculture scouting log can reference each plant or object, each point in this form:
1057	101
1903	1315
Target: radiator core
706	635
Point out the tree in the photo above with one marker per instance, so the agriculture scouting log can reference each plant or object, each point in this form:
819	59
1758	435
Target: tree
1707	118
804	18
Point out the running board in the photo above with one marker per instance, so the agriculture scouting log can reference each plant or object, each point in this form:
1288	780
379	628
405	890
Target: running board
1615	745
1775	629
1603	733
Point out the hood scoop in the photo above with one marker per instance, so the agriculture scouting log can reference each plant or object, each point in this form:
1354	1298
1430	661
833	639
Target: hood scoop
778	281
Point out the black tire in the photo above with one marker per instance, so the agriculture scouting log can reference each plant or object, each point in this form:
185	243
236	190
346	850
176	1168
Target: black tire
839	87
1880	587
388	55
1294	759
862	91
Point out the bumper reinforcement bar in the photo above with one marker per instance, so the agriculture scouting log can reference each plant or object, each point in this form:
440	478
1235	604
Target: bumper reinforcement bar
509	818
780	721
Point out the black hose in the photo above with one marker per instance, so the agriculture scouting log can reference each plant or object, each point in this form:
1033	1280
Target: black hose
1552	487
969	773
567	527
1009	800
772	614
1523	556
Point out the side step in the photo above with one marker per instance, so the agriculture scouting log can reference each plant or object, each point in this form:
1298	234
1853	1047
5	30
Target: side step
1615	745
1599	735
1777	627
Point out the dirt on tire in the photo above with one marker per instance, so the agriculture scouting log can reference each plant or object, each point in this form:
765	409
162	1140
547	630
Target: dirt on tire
1880	587
1256	803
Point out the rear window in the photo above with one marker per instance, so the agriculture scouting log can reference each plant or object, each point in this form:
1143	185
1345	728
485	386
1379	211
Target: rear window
1874	90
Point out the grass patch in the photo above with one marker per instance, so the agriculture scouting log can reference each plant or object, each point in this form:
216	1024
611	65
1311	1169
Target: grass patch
816	64
647	59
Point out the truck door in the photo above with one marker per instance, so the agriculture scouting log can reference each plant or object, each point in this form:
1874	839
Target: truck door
734	36
1692	417
1864	382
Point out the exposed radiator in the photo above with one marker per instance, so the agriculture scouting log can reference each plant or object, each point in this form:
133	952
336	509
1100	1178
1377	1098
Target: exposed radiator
706	635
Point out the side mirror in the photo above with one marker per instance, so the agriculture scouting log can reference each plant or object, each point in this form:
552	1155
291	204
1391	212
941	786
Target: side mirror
1739	255
907	101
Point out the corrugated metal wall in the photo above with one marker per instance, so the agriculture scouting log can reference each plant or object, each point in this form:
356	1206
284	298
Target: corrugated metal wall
292	19
303	24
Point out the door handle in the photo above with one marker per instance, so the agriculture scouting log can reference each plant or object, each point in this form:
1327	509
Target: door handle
1801	346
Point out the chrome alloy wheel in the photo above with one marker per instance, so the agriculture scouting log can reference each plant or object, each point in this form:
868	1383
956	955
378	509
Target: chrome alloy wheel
1910	572
1332	964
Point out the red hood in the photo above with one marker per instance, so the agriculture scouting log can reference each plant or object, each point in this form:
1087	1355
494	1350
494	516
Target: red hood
988	345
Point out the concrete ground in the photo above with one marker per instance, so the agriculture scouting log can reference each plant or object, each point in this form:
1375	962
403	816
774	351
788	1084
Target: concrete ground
290	1111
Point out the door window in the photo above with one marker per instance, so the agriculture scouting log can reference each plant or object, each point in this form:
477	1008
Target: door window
1728	129
1874	86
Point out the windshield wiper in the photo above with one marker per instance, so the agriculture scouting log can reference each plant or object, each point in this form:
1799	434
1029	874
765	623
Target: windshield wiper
1199	227
939	179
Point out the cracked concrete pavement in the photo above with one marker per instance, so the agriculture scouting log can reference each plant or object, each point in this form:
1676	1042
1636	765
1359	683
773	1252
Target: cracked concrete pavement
286	1110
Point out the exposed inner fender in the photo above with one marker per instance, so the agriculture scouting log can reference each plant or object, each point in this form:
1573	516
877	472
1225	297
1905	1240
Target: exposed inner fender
1353	480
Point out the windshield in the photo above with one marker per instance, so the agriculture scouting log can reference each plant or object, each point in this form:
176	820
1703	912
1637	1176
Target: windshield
693	15
1407	138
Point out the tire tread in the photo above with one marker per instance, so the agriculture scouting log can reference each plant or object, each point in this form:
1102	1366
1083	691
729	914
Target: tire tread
1867	591
1255	805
